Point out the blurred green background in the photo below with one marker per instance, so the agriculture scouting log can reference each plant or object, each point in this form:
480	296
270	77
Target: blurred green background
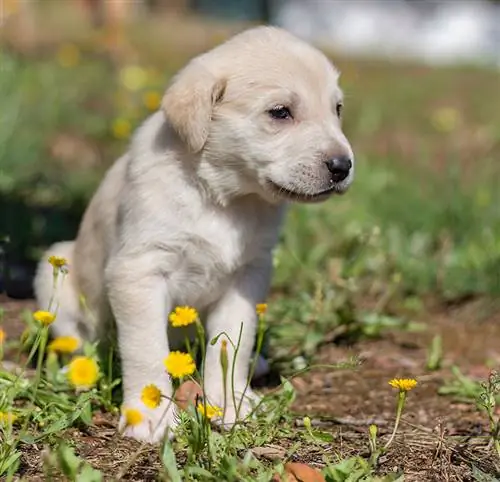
422	218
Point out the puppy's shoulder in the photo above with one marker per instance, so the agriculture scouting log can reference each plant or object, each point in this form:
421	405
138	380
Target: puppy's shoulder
154	148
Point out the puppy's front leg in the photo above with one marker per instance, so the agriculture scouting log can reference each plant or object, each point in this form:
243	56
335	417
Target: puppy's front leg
138	298
235	311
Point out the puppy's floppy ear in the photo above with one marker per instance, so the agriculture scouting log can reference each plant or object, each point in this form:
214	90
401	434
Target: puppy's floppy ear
189	101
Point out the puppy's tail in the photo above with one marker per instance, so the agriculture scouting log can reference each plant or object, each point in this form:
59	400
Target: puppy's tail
60	296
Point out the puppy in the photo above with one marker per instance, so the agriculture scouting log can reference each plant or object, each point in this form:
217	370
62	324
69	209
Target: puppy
191	213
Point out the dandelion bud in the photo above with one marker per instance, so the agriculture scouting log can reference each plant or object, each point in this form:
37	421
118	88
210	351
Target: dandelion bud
224	362
307	423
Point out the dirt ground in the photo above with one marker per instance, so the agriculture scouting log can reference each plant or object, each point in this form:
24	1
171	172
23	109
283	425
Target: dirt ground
440	437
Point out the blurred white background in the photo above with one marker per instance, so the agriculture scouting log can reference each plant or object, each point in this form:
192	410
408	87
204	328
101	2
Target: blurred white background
437	32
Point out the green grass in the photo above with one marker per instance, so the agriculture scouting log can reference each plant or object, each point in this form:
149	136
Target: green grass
421	219
429	192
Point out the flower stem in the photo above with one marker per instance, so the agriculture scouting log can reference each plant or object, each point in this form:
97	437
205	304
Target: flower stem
224	366
258	349
200	333
399	411
39	362
55	275
494	430
237	406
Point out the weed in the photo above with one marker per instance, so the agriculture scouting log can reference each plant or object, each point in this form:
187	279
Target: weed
72	467
487	399
41	398
463	388
435	354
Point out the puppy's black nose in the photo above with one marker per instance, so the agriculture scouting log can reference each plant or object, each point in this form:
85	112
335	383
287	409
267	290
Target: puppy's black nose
339	167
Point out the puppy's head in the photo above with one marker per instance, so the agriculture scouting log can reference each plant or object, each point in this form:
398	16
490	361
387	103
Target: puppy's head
263	111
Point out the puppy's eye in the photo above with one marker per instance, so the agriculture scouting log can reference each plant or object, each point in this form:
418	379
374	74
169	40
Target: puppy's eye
339	107
280	112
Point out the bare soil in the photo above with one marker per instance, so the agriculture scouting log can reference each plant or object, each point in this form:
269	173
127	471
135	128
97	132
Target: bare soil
440	438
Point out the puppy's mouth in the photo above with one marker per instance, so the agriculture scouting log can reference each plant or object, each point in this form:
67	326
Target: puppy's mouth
293	195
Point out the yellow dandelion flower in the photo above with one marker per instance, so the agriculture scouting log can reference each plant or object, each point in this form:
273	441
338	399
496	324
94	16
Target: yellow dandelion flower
446	119
132	416
7	418
83	372
2	336
133	77
152	100
10	7
403	384
121	128
183	316
45	318
57	262
151	396
307	423
483	197
209	411
261	308
68	56
64	344
179	364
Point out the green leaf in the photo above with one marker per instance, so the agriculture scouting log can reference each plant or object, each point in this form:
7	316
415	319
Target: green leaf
69	463
201	472
480	476
10	463
170	463
89	474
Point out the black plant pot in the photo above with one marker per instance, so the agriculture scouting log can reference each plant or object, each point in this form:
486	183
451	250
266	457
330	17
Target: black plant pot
17	282
25	231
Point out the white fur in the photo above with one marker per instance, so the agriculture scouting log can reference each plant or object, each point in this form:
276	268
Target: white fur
190	215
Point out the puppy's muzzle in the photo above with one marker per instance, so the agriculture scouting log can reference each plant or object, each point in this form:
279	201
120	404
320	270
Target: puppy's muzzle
339	168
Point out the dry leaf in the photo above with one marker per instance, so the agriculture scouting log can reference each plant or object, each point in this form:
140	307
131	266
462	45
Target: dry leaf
297	472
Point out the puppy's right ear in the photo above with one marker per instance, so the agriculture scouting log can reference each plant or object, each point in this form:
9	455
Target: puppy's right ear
189	101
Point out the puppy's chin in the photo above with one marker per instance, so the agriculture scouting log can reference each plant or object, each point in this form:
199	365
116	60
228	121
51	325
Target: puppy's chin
285	193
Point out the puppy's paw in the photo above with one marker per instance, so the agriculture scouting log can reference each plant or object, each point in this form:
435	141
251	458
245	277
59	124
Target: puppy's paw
151	426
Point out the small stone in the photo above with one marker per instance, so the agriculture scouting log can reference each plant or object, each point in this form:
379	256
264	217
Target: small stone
270	452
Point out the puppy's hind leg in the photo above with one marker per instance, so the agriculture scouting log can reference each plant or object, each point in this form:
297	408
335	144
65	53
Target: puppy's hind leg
62	296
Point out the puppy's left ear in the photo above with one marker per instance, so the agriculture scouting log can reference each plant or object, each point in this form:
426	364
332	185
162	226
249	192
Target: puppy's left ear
188	103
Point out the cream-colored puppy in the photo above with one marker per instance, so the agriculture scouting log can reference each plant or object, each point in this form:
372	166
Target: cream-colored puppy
190	214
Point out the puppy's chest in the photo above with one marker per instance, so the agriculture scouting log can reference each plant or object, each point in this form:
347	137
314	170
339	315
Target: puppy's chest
213	249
